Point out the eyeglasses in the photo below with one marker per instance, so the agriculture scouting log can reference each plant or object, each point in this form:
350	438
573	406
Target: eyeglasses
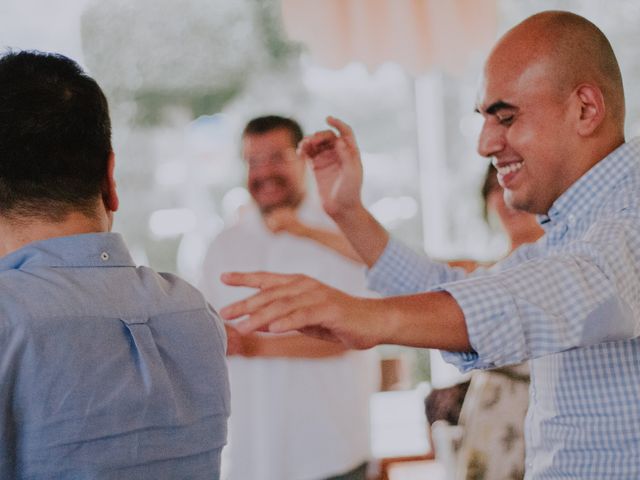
275	159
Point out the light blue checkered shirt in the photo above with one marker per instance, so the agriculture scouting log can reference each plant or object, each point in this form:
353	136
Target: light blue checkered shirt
571	304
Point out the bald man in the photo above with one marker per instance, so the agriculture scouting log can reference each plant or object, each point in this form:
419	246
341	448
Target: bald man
553	108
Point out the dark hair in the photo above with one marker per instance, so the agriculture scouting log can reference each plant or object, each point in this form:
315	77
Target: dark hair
268	123
55	135
489	185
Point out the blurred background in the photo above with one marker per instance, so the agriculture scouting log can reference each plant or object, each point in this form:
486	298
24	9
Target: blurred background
183	77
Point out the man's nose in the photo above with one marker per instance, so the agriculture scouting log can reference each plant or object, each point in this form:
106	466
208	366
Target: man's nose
491	140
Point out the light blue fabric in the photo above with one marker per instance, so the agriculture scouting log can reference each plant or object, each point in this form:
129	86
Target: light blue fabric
107	371
571	304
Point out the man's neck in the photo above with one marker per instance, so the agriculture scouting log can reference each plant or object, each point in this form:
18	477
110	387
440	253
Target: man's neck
15	234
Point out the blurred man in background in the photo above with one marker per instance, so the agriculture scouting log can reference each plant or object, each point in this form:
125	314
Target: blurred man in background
299	405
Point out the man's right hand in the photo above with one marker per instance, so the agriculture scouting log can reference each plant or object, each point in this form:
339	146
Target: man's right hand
287	303
336	166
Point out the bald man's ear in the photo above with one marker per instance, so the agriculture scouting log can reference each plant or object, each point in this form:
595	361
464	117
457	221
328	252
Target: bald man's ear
591	108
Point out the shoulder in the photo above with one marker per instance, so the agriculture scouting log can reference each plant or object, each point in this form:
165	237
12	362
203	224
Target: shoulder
170	291
181	296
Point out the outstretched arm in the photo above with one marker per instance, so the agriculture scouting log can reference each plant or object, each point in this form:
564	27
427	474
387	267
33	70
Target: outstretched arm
296	302
517	311
338	171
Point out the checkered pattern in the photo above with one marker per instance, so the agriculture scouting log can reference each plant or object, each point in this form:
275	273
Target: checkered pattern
571	304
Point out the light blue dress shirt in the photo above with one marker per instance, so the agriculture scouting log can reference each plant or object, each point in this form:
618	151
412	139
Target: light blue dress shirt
107	370
571	304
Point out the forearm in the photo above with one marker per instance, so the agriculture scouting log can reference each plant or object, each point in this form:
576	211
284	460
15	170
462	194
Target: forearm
426	320
292	346
363	232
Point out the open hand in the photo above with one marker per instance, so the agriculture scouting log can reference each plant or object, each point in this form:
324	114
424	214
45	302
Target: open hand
336	165
297	302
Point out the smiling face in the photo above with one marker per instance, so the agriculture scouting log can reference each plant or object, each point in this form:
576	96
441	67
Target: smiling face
527	132
276	175
553	106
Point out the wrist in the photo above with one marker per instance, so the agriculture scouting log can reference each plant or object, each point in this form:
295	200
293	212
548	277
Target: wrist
347	215
252	346
362	230
389	318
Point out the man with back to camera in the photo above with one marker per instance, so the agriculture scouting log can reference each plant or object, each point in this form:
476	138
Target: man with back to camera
299	405
107	370
553	107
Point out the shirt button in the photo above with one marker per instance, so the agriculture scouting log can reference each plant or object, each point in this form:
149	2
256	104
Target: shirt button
104	256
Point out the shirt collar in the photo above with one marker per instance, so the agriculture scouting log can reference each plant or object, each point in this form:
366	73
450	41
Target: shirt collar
87	250
588	190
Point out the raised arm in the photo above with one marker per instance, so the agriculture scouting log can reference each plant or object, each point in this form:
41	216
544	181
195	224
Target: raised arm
338	171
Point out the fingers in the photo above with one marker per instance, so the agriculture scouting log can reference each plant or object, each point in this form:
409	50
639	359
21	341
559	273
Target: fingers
344	151
299	317
277	287
296	302
325	138
281	308
345	130
315	144
275	310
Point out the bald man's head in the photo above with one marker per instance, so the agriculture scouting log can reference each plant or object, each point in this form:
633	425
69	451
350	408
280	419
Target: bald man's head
577	52
553	106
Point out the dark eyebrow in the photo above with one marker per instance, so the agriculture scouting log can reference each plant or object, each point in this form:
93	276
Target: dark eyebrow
496	106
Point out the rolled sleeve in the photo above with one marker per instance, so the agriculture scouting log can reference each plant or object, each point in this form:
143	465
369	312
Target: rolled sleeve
495	333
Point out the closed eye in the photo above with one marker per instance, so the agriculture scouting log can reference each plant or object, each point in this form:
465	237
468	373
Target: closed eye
505	120
502	111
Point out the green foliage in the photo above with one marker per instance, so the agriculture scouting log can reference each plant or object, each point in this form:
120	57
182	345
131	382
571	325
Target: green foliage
195	54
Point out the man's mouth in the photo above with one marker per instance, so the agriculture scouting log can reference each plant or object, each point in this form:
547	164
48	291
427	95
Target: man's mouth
509	168
507	172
